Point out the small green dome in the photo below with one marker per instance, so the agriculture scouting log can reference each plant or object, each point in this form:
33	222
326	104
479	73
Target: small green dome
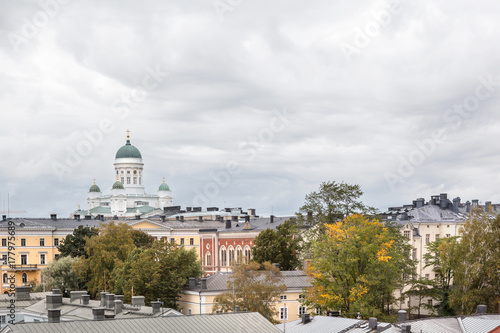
94	188
128	151
164	187
118	185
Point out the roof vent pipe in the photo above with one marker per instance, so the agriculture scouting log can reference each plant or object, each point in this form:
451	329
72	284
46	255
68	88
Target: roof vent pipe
456	204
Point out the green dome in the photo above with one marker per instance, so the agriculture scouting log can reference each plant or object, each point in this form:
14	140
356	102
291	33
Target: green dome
94	188
128	151
118	186
164	187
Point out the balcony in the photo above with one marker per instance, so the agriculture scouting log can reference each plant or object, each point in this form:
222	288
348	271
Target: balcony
14	267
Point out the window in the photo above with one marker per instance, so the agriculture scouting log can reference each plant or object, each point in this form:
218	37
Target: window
5	277
56	256
128	172
4	259
23	241
139	180
190	312
448	235
429	302
172	240
42	241
448	226
223	256
4	241
407	234
122	172
301	296
427	238
414	254
182	241
302	310
239	254
135	180
283	297
42	258
25	278
318	311
56	241
427	226
2	320
128	180
283	313
248	254
427	276
24	259
191	241
123	180
437	236
231	256
208	259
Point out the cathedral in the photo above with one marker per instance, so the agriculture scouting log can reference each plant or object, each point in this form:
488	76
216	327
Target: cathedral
127	197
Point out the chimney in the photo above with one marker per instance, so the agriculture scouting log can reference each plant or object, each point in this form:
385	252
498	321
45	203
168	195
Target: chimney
306	318
119	298
156	306
138	300
443	204
53	217
228	224
401	316
271	219
4	217
420	202
217	217
76	295
236	308
372	323
181	218
475	203
251	212
235	218
487	206
482	309
204	283
103	298
443	196
77	217
110	301
456	204
163	218
22	293
467	205
118	306
88	217
53	301
247	218
192	282
115	217
188	209
138	217
406	328
200	218
56	291
98	314
54	315
85	299
277	265
404	216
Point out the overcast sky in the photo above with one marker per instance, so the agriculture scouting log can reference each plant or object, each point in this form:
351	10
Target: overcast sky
249	104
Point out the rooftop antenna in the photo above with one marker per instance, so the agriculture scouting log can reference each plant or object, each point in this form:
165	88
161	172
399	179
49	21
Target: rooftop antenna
8	211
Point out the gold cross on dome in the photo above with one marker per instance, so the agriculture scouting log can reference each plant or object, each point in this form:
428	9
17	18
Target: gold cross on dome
128	134
94	181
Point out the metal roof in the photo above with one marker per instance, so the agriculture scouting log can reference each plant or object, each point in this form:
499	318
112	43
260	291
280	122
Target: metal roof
321	324
480	324
220	323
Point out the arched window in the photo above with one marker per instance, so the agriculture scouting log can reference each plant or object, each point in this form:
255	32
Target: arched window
223	256
248	254
25	278
231	256
5	277
239	254
208	259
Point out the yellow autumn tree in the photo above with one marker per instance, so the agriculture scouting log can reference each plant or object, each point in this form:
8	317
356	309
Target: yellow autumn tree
356	265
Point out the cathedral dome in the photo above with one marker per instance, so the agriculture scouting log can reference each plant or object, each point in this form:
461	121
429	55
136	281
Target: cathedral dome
118	186
94	188
164	187
128	151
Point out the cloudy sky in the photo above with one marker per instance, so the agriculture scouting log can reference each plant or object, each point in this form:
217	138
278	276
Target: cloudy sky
249	103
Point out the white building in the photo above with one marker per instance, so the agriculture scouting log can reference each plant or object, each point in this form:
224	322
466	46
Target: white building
127	196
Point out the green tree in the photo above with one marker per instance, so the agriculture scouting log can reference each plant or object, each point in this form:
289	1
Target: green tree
252	287
420	288
160	271
477	265
74	245
332	202
356	266
60	274
142	239
281	246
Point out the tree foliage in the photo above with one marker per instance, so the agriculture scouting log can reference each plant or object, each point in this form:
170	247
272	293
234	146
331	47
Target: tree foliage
333	202
280	246
74	245
252	287
60	274
160	271
356	265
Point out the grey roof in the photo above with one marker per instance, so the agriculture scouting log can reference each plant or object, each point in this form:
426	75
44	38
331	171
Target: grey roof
220	323
34	298
28	223
459	324
480	324
292	279
321	324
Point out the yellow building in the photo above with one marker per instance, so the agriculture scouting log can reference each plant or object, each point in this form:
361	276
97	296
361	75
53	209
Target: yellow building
198	297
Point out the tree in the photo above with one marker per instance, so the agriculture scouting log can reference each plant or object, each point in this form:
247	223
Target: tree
142	239
477	265
109	249
280	246
74	245
420	288
60	274
252	287
332	202
356	265
160	271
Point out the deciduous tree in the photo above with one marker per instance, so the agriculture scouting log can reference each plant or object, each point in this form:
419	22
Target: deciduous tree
252	287
74	245
60	274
